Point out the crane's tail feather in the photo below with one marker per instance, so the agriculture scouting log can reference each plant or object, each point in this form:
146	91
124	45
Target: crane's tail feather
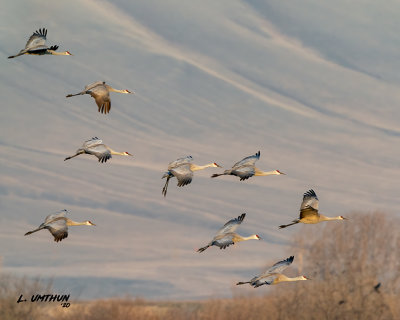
164	190
203	249
244	282
290	224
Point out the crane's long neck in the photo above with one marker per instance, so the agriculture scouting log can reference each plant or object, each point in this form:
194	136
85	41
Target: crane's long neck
325	218
195	167
117	153
56	53
117	90
240	238
285	278
258	172
76	223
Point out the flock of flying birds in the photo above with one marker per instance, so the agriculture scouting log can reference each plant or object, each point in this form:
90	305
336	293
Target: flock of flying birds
182	169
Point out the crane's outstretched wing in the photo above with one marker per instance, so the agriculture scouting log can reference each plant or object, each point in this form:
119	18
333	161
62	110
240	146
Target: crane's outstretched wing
309	205
94	84
92	143
100	151
278	267
179	162
231	225
268	280
183	174
223	241
102	97
244	172
37	39
53	216
58	228
248	161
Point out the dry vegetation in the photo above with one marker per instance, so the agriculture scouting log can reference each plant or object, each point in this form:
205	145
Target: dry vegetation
11	288
345	260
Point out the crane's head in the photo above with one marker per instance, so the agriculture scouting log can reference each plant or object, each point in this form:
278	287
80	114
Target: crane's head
216	165
126	153
278	172
127	91
342	218
89	223
258	237
67	53
304	278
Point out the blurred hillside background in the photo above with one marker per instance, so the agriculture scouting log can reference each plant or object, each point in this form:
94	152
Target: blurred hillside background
313	85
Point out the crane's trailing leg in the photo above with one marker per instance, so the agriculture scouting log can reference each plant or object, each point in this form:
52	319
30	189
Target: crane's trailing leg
164	190
17	55
77	154
30	232
203	249
290	224
239	283
76	94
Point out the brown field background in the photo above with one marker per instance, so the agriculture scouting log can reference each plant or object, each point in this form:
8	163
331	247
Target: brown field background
345	261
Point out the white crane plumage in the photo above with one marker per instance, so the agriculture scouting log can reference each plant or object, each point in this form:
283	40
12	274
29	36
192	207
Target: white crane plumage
273	275
182	169
245	169
100	91
309	211
36	45
226	235
58	223
96	147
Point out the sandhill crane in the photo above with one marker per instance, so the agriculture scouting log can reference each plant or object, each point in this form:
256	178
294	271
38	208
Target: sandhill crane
245	169
96	147
36	45
273	275
309	211
100	91
226	235
58	223
182	169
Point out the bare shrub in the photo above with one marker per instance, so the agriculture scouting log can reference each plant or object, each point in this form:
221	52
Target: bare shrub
11	287
346	261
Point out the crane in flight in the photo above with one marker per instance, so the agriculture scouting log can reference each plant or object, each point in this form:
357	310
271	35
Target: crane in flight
273	275
36	45
96	147
245	169
227	236
182	169
100	91
57	223
309	211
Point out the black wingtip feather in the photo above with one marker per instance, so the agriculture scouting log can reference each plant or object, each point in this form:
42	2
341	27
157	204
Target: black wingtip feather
310	193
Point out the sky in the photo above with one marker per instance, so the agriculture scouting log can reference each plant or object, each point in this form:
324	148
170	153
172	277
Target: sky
313	85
